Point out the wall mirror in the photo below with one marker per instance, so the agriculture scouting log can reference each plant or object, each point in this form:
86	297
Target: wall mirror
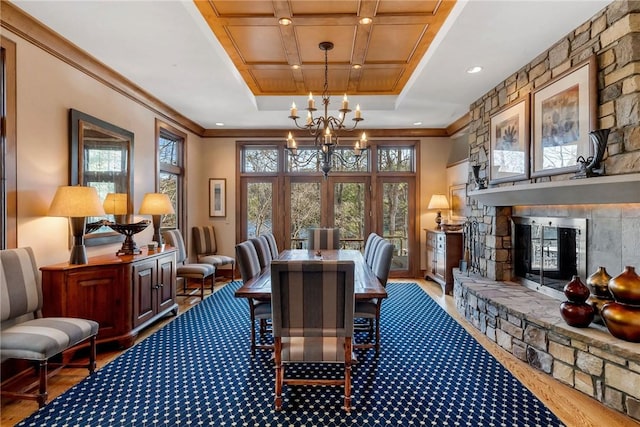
101	157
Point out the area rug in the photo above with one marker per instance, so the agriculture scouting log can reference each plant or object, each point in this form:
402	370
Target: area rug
198	371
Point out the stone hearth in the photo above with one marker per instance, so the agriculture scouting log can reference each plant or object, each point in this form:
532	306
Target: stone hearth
528	324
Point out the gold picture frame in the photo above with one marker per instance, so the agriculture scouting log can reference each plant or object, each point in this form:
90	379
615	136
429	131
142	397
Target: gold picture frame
564	111
458	202
509	143
217	197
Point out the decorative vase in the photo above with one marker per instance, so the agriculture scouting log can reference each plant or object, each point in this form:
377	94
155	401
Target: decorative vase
480	182
576	312
622	317
592	165
622	320
598	284
625	287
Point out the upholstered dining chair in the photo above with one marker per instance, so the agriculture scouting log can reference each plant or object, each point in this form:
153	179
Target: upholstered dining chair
204	243
370	309
249	265
185	270
323	238
370	247
28	335
262	249
273	245
312	304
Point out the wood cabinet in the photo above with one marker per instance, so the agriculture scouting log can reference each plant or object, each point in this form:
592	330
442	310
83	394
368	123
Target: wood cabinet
123	294
444	251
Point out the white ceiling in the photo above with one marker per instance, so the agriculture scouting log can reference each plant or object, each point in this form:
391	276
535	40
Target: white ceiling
166	48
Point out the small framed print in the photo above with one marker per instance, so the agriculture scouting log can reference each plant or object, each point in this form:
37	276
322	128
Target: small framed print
509	143
217	197
564	112
458	202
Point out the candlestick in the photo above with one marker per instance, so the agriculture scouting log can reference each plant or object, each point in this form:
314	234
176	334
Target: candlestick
312	102
357	114
345	102
294	110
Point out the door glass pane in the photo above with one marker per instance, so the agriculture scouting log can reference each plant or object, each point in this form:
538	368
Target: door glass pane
395	221
259	208
305	211
349	211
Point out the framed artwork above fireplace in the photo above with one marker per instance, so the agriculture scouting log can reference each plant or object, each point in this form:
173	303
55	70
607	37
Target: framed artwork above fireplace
564	112
509	143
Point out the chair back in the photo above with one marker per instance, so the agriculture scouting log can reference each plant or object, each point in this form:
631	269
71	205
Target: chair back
323	238
381	264
204	240
369	245
20	288
248	261
312	298
373	249
174	238
262	249
273	245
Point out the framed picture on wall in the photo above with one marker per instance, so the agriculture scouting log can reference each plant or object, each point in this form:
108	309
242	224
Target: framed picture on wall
217	197
458	202
564	112
509	143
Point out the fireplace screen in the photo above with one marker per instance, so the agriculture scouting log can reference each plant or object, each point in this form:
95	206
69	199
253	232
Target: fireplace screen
547	252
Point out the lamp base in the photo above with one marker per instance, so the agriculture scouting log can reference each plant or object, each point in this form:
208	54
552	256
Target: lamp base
439	220
78	255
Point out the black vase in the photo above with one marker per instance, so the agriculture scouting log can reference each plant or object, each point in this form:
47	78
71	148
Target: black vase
592	166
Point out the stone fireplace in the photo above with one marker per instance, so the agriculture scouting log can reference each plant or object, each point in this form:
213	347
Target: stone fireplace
521	320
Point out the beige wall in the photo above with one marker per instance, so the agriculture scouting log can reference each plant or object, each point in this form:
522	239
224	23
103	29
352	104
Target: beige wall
47	88
44	99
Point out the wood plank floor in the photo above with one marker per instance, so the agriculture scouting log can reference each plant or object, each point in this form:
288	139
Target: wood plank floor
572	407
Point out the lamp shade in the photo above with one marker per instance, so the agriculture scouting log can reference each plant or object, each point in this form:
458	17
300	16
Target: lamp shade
76	201
116	204
438	201
156	204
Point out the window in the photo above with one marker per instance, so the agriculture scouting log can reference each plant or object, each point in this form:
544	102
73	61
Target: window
375	193
171	143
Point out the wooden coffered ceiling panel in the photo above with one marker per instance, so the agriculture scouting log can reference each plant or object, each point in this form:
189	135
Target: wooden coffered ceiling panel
264	52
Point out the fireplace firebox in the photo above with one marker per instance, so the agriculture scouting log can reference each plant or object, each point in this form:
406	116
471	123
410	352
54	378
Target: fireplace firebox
547	252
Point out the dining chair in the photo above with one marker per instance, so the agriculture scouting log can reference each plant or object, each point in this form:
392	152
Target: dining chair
262	249
206	247
323	238
369	248
185	270
273	245
313	303
249	265
25	333
370	309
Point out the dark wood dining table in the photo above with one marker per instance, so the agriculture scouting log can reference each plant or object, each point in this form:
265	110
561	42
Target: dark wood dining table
366	284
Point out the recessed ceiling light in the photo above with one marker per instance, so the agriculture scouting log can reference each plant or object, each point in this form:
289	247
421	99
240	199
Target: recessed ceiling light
295	66
285	21
365	20
417	123
474	70
356	66
219	124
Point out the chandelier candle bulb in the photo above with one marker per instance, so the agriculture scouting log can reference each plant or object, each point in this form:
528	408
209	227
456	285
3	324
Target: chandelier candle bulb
309	119
294	110
357	113
345	102
312	102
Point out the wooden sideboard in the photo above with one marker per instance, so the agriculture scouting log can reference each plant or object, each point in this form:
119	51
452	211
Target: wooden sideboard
123	294
444	251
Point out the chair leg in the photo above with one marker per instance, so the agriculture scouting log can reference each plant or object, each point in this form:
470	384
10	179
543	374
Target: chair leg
92	355
279	375
42	390
347	376
253	331
202	289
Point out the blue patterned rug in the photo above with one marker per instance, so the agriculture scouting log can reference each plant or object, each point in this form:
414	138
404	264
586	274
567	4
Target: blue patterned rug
198	371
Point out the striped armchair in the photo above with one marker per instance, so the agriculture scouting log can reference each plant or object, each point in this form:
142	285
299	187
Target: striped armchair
204	241
25	333
312	314
324	238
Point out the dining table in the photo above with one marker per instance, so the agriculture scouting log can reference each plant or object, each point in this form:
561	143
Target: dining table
366	284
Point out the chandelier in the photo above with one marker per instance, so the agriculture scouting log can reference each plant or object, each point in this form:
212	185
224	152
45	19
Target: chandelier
326	129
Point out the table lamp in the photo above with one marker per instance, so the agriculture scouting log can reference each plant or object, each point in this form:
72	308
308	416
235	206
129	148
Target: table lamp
156	205
439	202
76	203
116	204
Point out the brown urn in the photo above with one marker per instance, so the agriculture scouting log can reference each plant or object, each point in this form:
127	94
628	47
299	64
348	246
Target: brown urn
625	287
598	284
576	312
622	320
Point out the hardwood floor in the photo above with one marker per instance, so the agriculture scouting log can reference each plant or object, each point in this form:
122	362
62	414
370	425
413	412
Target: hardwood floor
572	407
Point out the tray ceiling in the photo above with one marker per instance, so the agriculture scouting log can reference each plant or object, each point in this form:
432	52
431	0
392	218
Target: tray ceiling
266	53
